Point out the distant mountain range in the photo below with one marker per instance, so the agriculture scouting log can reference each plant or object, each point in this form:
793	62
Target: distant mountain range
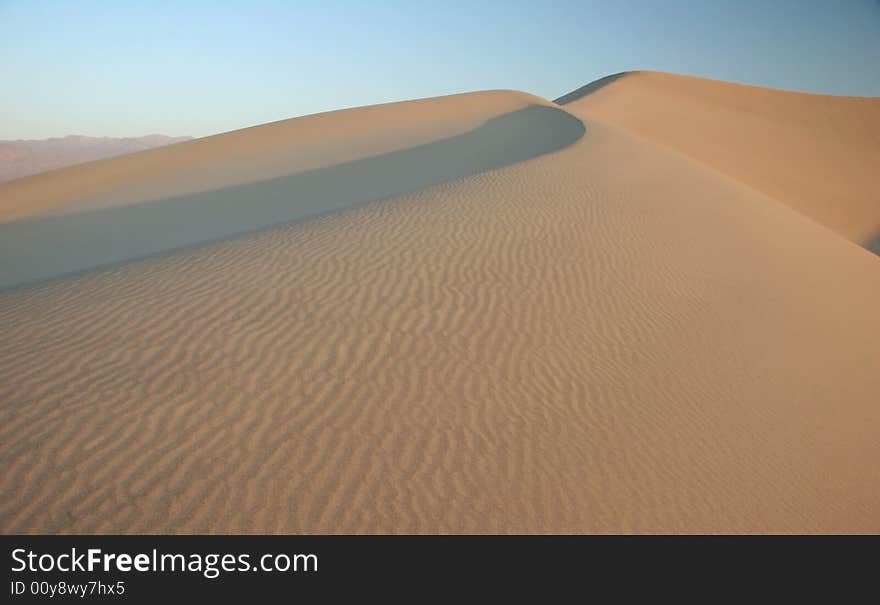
25	157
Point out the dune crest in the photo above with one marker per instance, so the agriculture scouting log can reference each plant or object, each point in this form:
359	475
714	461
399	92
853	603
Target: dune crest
147	203
819	154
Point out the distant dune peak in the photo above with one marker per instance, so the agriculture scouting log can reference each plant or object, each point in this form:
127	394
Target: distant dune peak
818	154
590	88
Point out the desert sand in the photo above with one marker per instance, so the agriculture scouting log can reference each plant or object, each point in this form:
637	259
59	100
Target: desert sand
508	315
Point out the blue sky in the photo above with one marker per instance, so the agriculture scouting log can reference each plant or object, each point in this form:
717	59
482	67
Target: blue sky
130	68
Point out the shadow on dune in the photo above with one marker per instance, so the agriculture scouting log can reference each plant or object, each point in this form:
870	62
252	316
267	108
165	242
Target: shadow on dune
873	244
41	248
589	89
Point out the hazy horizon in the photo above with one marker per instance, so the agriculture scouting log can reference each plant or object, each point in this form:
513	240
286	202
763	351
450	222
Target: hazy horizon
143	68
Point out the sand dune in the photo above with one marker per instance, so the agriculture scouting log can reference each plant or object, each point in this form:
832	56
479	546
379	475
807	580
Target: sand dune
608	336
819	154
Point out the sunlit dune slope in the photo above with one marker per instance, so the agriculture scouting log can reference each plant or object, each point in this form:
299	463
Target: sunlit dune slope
819	154
607	337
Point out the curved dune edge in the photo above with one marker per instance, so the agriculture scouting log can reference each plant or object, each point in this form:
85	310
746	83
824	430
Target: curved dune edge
112	224
609	338
256	154
819	154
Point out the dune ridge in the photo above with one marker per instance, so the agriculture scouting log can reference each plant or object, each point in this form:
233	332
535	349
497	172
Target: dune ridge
121	218
608	337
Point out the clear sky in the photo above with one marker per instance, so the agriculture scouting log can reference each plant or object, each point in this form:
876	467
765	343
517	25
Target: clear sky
129	68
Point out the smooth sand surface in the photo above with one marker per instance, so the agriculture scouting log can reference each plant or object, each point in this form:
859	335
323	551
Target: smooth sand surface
819	154
606	337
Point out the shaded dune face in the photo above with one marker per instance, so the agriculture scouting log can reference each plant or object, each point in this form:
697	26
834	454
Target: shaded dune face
819	154
85	236
874	244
